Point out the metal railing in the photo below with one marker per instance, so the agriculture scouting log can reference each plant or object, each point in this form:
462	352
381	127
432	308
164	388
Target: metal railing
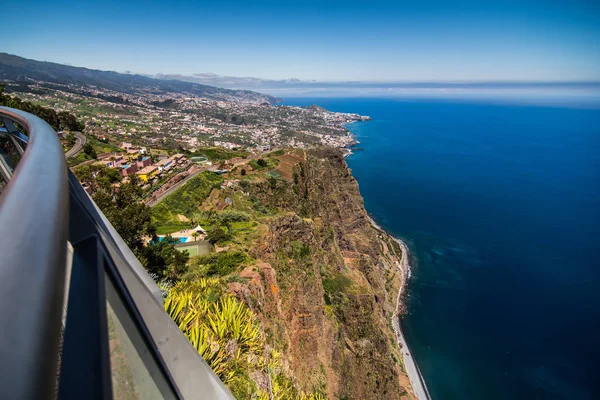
80	318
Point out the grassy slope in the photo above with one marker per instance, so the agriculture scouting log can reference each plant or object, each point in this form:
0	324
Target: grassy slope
185	200
220	154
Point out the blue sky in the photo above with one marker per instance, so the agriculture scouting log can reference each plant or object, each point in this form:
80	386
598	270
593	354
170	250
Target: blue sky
367	40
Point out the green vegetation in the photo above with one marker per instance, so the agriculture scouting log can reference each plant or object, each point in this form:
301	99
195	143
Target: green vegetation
164	260
220	264
167	229
78	159
264	163
89	150
217	235
228	336
132	220
338	283
186	199
276	153
101	146
97	177
61	120
213	298
300	252
212	322
220	154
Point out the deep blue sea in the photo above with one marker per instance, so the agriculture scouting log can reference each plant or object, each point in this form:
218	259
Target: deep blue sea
499	203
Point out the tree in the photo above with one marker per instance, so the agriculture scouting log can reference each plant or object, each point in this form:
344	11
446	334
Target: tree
261	162
164	260
123	208
89	150
243	172
97	177
71	139
195	235
273	182
245	184
132	219
217	235
59	121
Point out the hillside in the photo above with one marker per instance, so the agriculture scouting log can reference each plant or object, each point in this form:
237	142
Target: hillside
314	283
170	114
25	71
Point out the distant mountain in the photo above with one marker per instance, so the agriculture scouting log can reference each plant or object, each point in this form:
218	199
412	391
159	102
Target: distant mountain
234	82
25	72
295	87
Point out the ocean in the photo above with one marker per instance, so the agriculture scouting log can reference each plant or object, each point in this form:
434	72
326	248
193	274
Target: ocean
499	203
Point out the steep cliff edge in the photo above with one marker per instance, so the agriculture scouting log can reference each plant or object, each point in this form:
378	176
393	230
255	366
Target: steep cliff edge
325	284
298	298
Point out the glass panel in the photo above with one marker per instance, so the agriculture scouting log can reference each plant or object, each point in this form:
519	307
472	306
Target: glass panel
9	151
135	372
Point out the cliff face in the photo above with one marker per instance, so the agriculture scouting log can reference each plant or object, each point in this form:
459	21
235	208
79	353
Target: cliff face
326	284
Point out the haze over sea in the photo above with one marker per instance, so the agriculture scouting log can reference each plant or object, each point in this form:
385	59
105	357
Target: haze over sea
499	202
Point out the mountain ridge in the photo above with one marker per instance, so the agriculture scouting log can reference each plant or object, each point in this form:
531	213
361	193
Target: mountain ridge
22	72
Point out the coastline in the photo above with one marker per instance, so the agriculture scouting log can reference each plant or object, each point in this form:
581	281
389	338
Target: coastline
410	365
415	377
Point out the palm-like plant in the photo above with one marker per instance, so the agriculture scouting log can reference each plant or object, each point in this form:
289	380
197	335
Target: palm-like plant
213	327
228	336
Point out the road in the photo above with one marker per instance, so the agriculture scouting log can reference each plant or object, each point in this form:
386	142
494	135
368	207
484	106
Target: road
78	146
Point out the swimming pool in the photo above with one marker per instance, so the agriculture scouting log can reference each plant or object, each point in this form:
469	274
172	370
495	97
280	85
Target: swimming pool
178	239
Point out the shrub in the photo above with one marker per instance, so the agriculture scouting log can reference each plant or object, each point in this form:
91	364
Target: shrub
213	326
217	235
215	264
334	288
336	284
245	184
228	216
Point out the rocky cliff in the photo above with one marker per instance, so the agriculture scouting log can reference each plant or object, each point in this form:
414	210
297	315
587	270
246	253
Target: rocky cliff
325	284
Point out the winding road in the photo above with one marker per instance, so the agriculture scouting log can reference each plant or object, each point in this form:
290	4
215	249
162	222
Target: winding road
78	146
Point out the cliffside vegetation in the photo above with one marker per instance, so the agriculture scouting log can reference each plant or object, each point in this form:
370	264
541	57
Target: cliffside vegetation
297	298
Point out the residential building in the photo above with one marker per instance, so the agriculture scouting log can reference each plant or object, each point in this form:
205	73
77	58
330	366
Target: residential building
178	158
129	169
147	173
146	161
165	164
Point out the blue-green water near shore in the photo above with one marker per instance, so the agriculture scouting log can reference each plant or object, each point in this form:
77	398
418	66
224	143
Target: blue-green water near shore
499	204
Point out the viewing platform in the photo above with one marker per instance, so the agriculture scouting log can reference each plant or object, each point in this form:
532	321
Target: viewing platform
81	318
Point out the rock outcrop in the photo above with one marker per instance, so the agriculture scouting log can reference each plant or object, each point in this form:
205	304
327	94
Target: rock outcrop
326	285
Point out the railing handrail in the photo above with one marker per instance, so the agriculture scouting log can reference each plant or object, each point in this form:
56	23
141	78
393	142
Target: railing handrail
189	372
35	208
33	230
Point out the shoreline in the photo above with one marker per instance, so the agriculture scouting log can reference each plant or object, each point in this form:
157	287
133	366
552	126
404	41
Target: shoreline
415	377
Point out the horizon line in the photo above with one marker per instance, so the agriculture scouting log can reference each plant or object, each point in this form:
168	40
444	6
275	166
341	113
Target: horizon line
316	82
